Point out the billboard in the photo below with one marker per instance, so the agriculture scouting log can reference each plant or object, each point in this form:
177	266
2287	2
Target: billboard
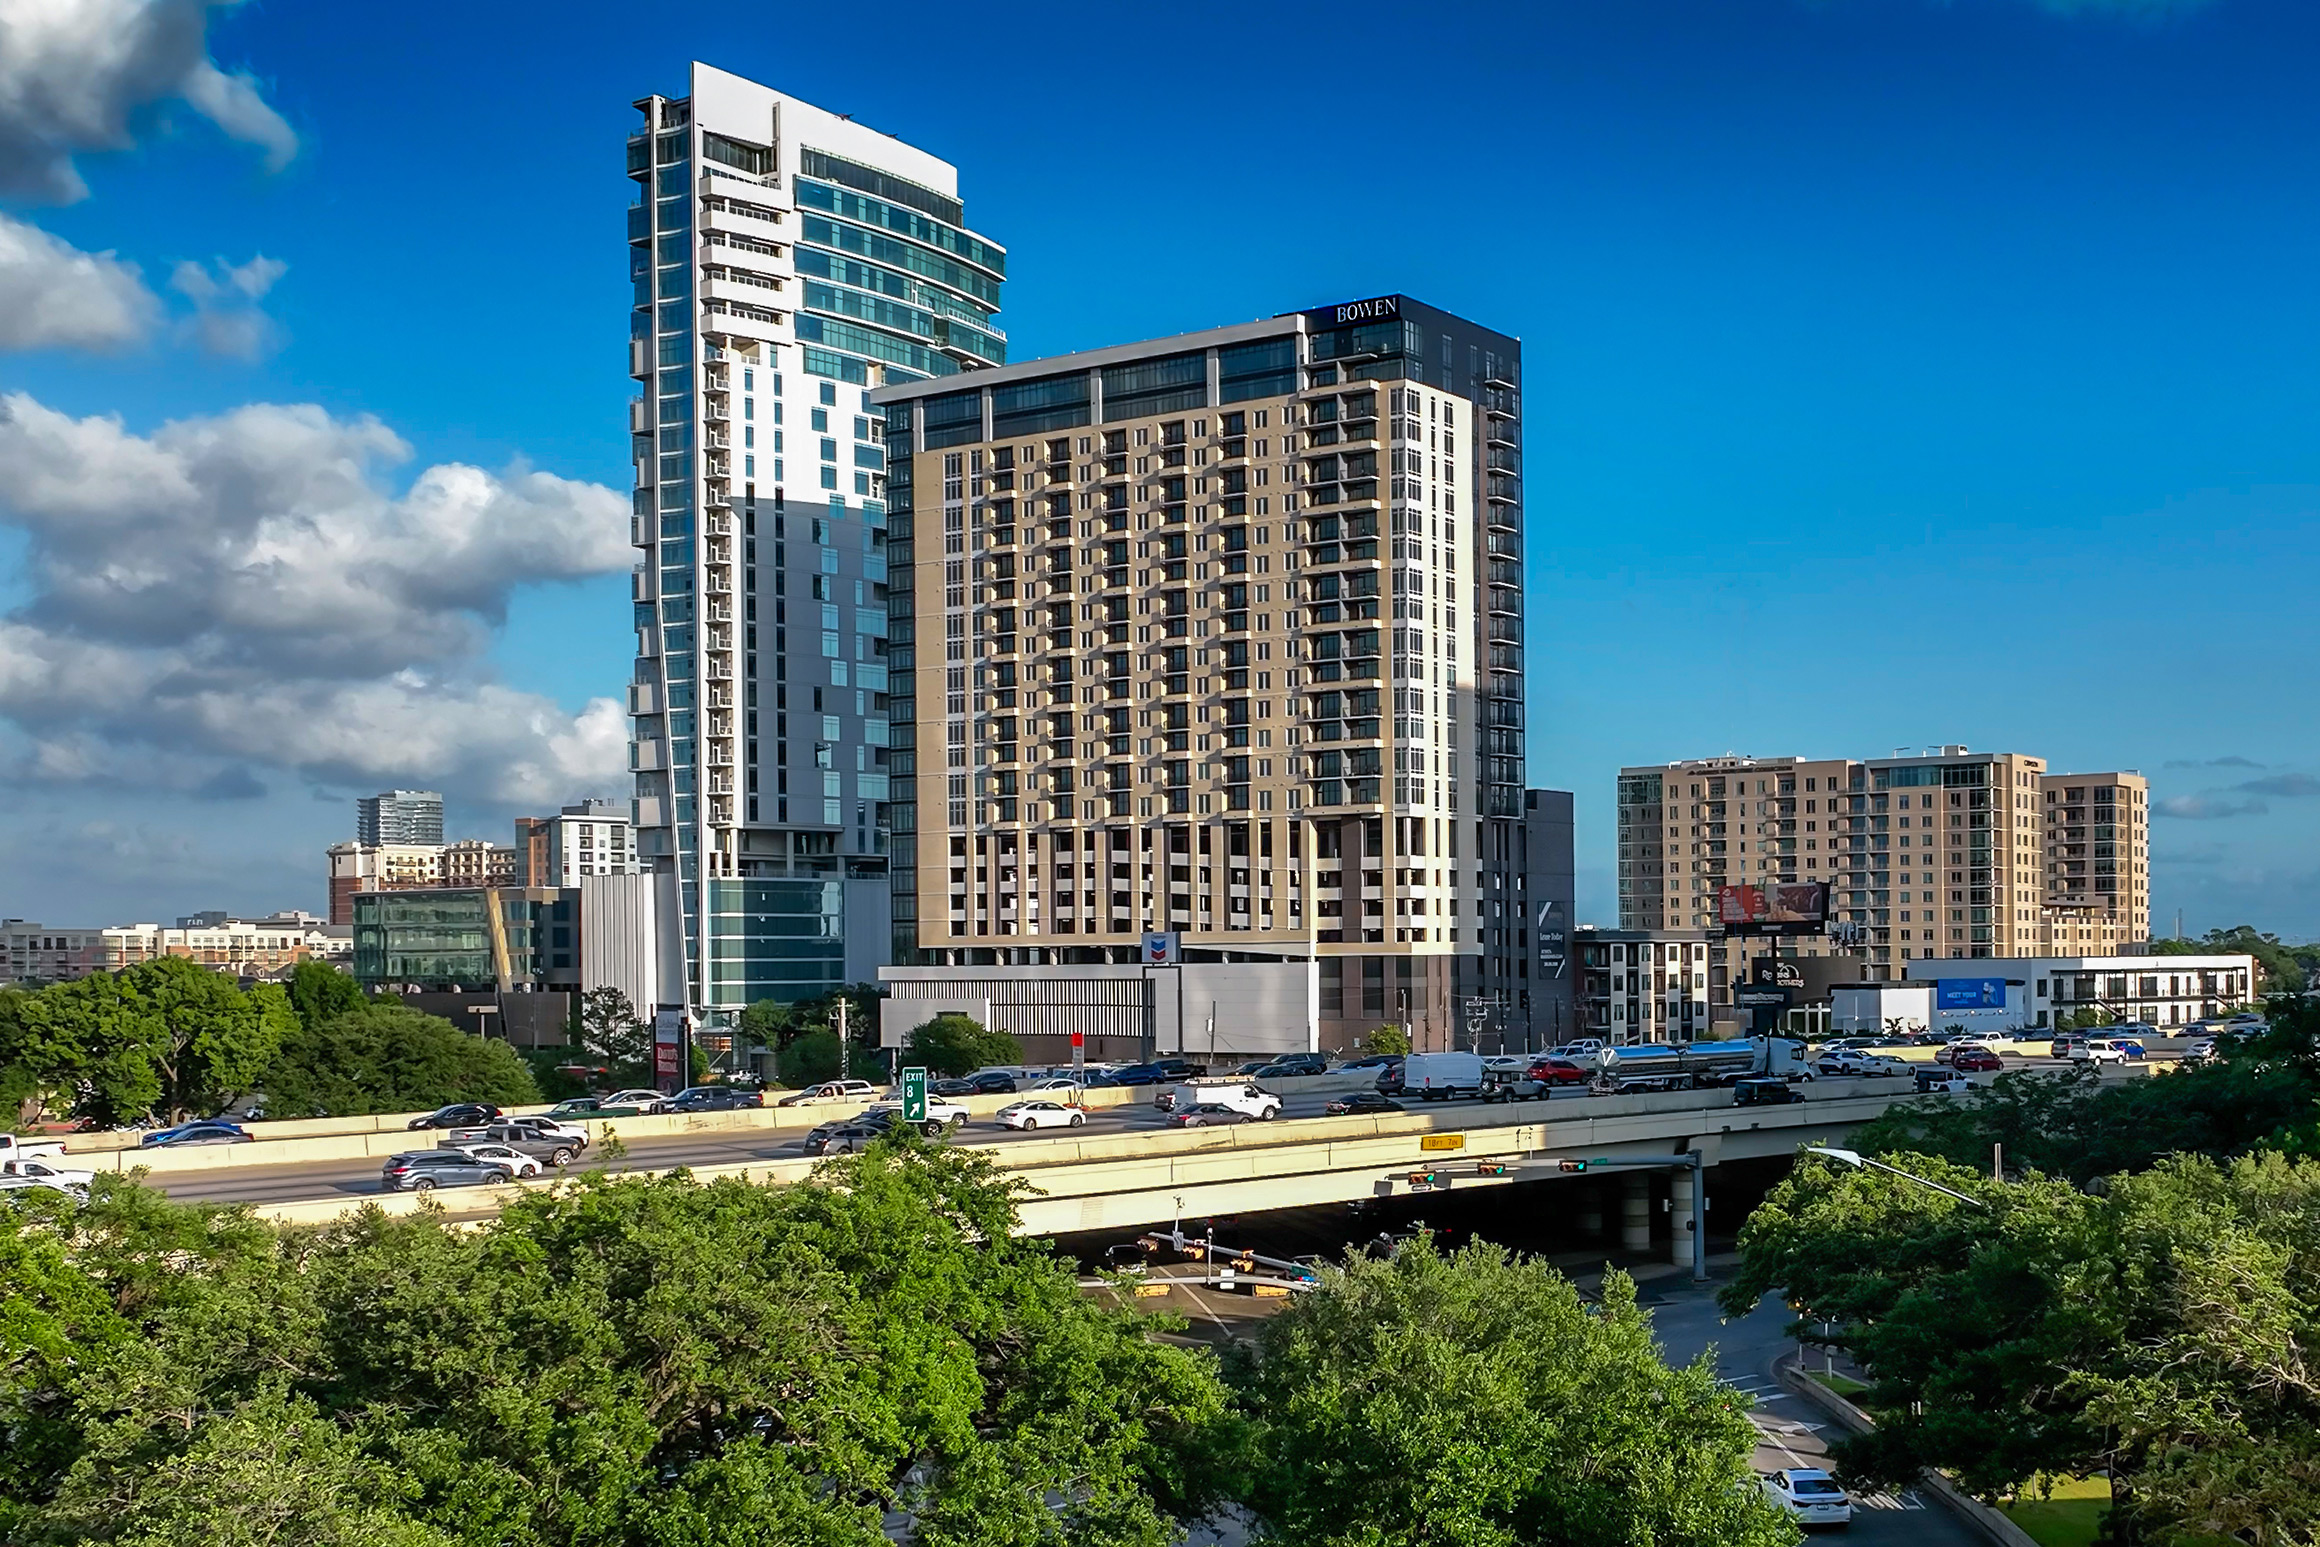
1163	948
1553	938
1783	908
1970	994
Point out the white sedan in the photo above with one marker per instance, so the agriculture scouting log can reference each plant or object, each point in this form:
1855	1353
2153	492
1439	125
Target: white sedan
643	1100
1853	1060
1041	1114
513	1161
1811	1497
1058	1083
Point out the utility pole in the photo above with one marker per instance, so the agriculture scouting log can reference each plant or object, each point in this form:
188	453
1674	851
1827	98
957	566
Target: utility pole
845	1058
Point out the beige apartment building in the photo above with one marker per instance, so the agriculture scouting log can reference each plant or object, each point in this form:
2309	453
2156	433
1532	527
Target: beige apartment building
1218	636
1950	853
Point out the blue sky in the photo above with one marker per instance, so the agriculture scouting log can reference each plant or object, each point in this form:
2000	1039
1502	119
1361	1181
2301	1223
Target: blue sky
1898	373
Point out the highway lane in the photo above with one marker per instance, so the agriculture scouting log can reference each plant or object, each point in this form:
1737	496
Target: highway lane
355	1179
1790	1430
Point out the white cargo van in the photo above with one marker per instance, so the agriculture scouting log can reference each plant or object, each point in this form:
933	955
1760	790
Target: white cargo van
1237	1092
1436	1076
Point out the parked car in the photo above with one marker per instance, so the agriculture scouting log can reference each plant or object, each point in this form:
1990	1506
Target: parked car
647	1101
1811	1497
507	1157
1558	1071
990	1082
2100	1050
2200	1052
1141	1074
1209	1114
1252	1066
1363	1103
830	1090
2132	1048
1180	1068
1062	1082
1580	1050
1294	1064
1976	1060
1764	1093
1850	1060
426	1170
207	1132
714	1098
460	1114
1041	1112
1374	1061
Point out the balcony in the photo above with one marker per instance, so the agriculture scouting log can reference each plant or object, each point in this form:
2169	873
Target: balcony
718	321
644	698
718	217
742	290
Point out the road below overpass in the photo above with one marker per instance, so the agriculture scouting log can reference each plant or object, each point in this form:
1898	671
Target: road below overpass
354	1179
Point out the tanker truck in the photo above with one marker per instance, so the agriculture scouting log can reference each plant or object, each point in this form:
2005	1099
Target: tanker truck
1696	1065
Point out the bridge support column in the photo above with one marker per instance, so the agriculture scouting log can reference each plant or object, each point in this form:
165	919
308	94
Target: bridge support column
1635	1212
1680	1184
1591	1211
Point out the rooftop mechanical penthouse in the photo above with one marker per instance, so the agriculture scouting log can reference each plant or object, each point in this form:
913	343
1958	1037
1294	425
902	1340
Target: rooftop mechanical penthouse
1218	634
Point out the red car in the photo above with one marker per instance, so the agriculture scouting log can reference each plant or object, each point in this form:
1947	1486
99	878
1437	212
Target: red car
1558	1071
1976	1060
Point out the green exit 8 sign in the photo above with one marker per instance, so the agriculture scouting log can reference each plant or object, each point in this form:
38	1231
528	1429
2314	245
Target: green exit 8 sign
914	1095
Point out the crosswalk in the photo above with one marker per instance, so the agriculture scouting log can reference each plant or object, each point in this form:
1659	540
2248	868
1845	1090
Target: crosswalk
1778	1430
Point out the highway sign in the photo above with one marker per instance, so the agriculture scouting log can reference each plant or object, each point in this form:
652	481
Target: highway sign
914	1095
1442	1141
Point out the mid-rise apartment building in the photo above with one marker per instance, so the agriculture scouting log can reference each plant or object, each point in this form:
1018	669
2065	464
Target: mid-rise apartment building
1643	985
379	867
587	838
1219	636
263	947
1948	853
396	817
785	260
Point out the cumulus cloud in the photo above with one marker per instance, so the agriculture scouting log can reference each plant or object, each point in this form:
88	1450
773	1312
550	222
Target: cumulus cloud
245	591
74	74
54	296
2208	807
226	319
2290	786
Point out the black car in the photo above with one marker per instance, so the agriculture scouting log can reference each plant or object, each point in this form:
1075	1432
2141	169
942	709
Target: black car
1764	1093
850	1134
425	1170
1299	1063
1363	1103
953	1087
1179	1068
991	1084
463	1114
1141	1074
714	1098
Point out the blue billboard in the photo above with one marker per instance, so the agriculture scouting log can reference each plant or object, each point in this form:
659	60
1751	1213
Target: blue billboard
1970	994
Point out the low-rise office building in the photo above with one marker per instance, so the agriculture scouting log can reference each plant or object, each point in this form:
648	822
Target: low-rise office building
2053	991
512	939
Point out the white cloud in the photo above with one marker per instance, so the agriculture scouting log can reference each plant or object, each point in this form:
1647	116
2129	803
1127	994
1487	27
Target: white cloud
53	295
226	319
243	589
74	73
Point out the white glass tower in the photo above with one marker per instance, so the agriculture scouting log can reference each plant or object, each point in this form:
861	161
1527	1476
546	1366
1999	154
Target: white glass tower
785	261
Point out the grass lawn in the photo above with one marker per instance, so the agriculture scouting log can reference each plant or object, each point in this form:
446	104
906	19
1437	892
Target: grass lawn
1843	1385
2068	1516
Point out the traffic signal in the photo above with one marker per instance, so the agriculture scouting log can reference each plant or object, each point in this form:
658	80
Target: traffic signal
1571	1167
1490	1168
1424	1179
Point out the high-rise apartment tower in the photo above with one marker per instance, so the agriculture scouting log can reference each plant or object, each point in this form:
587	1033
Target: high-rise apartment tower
1950	852
399	816
1219	635
785	260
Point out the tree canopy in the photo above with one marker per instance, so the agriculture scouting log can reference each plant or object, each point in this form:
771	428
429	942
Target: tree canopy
2284	969
631	1363
319	991
1475	1400
958	1044
386	1057
2162	1331
1392	1037
163	1036
615	1035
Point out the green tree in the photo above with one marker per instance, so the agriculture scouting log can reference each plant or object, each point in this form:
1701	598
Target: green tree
612	1033
1392	1037
2280	969
319	991
163	1036
2161	1332
1477	1399
958	1044
386	1057
625	1361
809	1059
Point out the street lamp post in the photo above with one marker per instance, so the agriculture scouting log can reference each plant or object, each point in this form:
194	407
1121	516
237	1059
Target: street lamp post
1863	1162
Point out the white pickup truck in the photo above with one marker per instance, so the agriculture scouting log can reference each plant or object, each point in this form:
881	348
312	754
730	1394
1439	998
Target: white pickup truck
42	1173
13	1148
941	1115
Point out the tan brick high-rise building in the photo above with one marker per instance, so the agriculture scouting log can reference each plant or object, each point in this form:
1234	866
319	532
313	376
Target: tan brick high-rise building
1949	853
1218	635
